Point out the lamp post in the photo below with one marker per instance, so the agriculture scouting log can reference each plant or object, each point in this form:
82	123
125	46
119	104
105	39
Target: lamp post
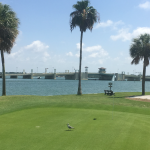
16	69
37	69
110	85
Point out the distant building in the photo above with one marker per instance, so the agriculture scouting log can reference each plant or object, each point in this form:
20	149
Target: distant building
102	70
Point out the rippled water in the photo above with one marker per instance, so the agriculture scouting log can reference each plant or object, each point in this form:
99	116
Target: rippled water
60	86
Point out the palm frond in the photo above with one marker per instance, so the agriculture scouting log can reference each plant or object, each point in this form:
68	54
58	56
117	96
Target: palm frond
140	49
8	28
81	5
84	16
136	60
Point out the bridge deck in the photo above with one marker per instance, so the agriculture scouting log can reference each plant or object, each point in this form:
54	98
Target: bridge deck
39	74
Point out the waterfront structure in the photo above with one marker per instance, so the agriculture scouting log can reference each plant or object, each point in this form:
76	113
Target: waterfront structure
101	75
68	76
102	70
132	77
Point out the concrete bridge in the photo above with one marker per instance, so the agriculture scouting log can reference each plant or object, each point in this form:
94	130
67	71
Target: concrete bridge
101	76
68	76
124	77
132	77
74	76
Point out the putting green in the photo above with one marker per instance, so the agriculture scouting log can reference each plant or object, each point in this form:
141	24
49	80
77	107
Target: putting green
45	128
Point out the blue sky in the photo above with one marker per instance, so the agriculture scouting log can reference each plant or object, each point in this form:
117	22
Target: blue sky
45	39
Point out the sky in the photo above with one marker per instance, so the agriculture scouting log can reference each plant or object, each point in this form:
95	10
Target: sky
45	39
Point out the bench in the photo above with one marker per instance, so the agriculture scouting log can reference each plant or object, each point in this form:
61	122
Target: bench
109	92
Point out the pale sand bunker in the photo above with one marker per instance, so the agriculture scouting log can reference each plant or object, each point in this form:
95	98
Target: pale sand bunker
144	98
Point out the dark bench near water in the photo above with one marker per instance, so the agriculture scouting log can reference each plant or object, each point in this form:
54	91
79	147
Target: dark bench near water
109	92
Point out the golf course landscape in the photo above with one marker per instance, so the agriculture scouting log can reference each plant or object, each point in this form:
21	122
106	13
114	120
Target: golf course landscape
101	122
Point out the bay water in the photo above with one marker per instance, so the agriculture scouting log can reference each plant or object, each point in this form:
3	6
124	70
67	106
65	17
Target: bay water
60	86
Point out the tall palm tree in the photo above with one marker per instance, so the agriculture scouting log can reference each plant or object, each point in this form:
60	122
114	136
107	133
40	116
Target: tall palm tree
8	33
84	17
140	50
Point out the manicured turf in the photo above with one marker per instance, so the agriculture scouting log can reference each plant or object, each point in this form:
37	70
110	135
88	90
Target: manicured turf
39	122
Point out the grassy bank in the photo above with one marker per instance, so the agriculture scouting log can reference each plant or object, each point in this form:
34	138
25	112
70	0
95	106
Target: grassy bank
39	122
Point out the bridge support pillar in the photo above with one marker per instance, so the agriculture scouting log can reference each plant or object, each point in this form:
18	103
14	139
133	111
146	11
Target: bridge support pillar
84	76
13	77
70	77
120	77
51	76
27	76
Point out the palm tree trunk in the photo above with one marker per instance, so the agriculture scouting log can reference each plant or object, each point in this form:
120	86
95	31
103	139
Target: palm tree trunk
143	78
3	74
79	85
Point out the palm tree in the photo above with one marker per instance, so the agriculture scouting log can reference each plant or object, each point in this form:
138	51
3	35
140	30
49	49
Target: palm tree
140	50
84	17
8	33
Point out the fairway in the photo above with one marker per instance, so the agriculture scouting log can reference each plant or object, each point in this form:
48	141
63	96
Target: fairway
45	127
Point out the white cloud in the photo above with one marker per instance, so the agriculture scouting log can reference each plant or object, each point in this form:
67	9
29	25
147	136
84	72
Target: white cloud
37	46
116	24
125	35
93	55
96	51
104	24
122	34
69	54
92	48
145	5
78	45
109	23
101	53
141	30
15	54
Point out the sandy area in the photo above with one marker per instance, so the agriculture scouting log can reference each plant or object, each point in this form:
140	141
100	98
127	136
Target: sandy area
144	98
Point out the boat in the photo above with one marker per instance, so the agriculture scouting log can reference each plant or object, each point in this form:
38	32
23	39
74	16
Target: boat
39	77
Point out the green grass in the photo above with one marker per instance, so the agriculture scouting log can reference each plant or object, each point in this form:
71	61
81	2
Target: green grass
39	122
